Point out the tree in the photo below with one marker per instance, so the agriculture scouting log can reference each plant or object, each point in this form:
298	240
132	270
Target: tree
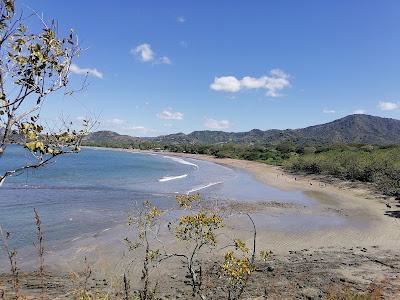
197	230
32	67
286	147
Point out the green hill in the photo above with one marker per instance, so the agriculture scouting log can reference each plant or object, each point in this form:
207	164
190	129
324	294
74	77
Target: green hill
109	139
352	129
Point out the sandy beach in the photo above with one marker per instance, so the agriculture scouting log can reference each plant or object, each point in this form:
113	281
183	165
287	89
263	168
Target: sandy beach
367	225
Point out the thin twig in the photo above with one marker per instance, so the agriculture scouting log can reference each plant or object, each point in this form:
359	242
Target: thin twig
40	249
12	260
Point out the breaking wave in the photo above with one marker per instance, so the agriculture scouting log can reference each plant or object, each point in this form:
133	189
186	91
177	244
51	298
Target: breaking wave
169	178
201	187
182	161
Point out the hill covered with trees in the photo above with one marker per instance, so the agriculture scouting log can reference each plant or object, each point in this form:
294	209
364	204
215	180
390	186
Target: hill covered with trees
352	129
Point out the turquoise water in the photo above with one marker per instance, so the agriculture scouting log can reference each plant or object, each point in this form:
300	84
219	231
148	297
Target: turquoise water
97	189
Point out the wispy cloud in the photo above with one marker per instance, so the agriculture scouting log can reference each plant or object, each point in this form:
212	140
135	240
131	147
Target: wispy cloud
169	114
126	127
329	111
164	60
145	53
181	19
183	44
388	105
360	112
85	71
115	121
273	83
217	124
140	129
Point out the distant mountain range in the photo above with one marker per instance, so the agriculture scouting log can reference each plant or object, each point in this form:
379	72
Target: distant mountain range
109	138
353	129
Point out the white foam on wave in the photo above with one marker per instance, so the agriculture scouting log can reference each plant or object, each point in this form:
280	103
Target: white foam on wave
202	187
182	161
75	239
169	178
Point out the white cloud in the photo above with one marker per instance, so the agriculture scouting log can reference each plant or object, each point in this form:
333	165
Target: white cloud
273	83
329	111
141	129
169	114
388	105
253	83
116	121
164	60
226	84
217	124
138	130
181	19
126	127
359	112
144	52
85	71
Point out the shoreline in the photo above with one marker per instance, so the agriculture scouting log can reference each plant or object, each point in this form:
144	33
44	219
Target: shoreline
367	225
276	176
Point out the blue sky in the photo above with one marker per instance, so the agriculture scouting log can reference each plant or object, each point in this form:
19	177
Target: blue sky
160	67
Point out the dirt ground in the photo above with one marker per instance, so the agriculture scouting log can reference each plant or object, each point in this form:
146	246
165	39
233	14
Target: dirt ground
305	274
